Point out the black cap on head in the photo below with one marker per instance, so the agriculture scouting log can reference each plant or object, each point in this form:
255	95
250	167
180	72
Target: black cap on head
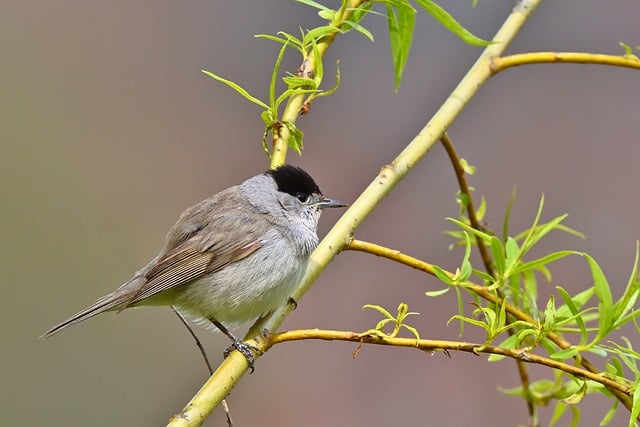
293	180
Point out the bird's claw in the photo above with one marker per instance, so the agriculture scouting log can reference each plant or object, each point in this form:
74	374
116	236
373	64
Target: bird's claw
245	349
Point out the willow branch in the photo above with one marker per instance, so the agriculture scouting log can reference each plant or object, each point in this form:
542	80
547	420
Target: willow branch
502	63
434	345
484	293
234	366
471	210
294	104
486	258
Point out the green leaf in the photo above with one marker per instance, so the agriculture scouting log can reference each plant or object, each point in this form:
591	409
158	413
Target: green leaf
468	168
628	51
295	137
635	409
558	412
498	255
507	214
567	353
401	22
482	209
359	28
442	275
509	343
447	21
628	350
465	271
574	312
379	309
296	83
580	299
550	314
577	396
237	88
530	293
267	117
512	253
469	320
603	293
466	268
597	351
318	33
615	367
542	261
433	294
313	4
361	11
328	15
274	79
335	87
483	276
630	296
460	308
610	413
413	330
524	334
538	233
502	317
466	227
288	38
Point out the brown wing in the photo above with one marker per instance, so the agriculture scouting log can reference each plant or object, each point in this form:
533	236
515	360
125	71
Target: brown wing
194	257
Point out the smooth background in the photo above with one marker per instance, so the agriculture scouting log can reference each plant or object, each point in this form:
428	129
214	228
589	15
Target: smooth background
109	131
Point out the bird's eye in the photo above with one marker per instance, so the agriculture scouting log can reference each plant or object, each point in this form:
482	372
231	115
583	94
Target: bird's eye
302	197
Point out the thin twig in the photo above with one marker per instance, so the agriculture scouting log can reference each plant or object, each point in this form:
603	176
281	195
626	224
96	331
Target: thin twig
486	260
471	210
483	292
502	63
432	345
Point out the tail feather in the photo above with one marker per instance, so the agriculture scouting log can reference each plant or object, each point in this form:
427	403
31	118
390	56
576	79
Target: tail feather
119	299
106	303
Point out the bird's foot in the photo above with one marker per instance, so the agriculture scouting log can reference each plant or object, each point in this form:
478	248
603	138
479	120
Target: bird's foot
245	349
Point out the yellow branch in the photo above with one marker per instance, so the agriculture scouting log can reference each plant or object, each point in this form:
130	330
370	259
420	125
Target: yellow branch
431	345
484	293
502	63
230	371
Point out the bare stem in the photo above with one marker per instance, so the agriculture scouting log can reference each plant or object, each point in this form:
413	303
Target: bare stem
502	63
435	345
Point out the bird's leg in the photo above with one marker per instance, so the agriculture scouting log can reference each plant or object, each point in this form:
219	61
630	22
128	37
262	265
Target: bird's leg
195	337
245	349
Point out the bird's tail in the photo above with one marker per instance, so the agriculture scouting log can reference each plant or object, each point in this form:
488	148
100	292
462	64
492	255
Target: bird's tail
115	300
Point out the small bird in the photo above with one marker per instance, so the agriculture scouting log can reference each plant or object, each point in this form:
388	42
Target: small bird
231	258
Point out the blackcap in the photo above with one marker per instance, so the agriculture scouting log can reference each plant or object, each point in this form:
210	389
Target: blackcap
231	258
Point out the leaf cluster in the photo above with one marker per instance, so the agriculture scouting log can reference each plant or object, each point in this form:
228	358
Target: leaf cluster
306	82
591	315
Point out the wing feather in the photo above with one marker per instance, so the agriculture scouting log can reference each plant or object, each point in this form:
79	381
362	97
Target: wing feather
189	261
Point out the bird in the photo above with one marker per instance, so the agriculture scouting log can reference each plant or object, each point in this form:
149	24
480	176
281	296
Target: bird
230	258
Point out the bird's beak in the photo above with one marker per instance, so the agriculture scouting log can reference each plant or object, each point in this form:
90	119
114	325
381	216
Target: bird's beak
330	203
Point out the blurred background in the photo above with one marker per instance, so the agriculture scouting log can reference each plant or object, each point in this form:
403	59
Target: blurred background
109	130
